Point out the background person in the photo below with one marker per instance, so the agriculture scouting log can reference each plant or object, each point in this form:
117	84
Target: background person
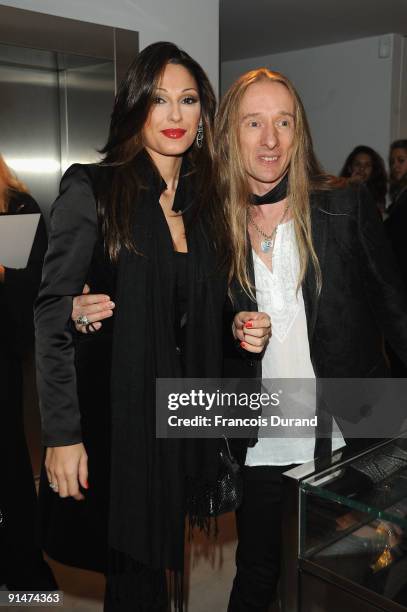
396	226
22	566
396	223
365	165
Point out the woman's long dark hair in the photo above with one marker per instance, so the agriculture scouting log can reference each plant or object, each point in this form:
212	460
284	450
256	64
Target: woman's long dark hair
377	182
124	151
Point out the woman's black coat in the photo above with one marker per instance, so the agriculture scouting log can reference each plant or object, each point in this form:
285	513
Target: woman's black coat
147	496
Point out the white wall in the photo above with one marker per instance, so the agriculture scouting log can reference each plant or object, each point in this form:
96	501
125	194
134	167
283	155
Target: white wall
192	24
399	105
350	94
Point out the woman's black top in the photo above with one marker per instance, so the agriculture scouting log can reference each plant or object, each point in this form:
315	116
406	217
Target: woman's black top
181	298
151	478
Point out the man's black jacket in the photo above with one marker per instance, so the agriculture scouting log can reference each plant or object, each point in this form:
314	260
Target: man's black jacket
362	298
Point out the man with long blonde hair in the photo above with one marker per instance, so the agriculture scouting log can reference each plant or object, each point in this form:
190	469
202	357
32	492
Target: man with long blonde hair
313	256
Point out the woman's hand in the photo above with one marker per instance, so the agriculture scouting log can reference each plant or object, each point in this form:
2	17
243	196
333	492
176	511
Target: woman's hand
356	178
253	329
2	273
95	307
67	468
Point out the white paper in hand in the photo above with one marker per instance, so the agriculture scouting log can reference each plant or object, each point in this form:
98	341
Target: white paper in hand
17	233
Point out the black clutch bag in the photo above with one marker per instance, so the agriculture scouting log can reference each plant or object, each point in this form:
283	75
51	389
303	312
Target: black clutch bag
226	494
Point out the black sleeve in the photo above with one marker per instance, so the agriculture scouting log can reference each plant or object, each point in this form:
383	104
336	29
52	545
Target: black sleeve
384	286
72	238
21	285
230	344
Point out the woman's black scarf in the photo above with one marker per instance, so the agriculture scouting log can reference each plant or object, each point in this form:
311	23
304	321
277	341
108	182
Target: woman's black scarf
149	476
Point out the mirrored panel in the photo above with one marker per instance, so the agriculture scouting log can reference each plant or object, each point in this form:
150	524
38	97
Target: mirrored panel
55	110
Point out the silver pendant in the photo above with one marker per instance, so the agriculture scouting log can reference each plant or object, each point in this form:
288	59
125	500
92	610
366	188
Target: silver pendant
266	245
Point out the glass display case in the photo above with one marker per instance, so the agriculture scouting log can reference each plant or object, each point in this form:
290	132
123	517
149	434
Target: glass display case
347	548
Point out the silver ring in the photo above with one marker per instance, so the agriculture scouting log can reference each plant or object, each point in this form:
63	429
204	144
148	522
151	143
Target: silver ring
82	320
53	486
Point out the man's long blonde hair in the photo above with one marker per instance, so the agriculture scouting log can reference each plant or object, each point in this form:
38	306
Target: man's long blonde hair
304	174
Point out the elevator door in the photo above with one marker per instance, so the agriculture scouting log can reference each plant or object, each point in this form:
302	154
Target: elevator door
54	111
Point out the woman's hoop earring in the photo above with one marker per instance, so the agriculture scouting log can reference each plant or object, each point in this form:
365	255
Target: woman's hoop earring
200	135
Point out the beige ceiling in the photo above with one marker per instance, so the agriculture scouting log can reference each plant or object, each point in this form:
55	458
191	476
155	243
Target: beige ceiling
251	28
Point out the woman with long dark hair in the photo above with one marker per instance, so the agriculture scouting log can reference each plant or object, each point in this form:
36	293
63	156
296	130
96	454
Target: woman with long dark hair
365	165
22	566
146	218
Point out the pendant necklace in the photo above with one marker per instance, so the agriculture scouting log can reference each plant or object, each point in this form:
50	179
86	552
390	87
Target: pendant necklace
267	244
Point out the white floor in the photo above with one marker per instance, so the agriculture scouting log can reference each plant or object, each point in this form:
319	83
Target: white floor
208	577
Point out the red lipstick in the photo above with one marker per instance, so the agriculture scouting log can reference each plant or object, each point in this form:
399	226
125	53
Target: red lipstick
173	133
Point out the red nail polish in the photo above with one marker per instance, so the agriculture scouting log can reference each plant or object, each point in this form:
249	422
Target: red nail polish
243	344
248	324
86	485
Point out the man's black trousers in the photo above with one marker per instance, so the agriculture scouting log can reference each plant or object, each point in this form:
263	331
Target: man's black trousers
258	523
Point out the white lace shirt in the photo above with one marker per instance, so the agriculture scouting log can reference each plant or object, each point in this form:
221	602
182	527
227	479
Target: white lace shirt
287	354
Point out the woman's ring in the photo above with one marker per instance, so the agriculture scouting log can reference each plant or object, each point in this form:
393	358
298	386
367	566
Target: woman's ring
82	320
53	486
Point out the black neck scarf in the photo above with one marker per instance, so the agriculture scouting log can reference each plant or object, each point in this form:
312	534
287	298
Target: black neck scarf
278	193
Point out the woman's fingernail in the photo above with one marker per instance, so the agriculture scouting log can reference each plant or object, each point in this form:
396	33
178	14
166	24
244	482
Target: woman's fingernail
248	324
243	344
86	485
111	304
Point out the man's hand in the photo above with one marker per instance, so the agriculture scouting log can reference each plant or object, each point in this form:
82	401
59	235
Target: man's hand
67	468
253	329
95	307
